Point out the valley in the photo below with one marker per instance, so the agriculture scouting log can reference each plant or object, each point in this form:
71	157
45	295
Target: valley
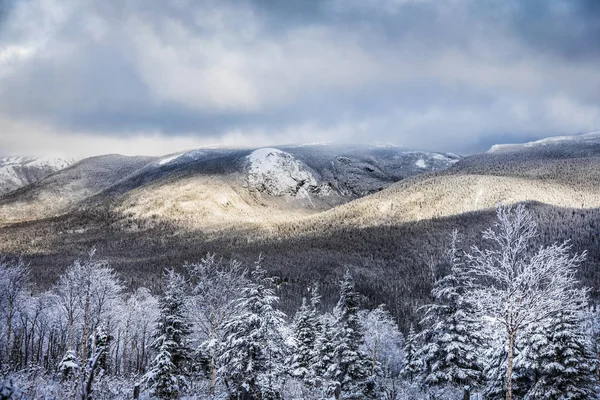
310	213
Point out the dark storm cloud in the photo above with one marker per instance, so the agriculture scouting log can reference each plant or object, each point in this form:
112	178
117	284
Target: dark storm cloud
453	75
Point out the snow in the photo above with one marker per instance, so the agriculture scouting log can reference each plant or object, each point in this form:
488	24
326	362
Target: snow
421	163
588	137
167	160
279	173
16	172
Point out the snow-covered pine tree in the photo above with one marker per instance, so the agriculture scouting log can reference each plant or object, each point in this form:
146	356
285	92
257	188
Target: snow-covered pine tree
69	365
325	366
451	334
412	365
305	331
565	363
353	366
167	376
252	361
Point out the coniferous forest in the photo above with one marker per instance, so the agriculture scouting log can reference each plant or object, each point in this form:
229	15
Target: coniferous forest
507	320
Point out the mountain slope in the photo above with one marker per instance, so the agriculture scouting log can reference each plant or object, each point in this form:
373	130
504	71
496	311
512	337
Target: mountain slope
310	212
220	185
16	172
56	193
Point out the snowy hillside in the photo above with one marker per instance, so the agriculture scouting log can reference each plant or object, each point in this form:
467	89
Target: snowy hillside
278	173
16	172
562	142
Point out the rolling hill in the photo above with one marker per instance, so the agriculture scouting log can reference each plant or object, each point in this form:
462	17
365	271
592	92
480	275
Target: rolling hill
312	212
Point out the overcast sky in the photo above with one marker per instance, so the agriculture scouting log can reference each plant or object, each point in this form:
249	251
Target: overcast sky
87	77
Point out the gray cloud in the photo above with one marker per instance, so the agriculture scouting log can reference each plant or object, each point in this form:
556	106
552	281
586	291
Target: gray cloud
454	75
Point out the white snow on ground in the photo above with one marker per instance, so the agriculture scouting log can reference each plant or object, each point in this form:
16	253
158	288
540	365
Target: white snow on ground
592	136
169	159
17	171
55	163
421	163
278	173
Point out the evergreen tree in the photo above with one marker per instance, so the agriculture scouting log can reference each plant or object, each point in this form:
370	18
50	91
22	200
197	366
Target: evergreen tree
452	336
252	362
325	366
306	329
69	365
412	364
565	365
167	376
353	365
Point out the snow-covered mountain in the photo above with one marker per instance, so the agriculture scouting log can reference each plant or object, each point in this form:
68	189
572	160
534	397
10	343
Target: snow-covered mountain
222	185
562	144
16	172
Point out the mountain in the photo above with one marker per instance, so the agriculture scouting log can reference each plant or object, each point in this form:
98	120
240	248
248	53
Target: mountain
566	145
311	212
16	172
224	184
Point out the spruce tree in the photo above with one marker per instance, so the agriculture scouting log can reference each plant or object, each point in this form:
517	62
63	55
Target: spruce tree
252	362
353	364
325	366
167	377
451	335
306	330
412	364
565	365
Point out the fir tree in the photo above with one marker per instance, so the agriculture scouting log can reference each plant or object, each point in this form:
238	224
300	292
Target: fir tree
252	362
353	365
565	365
412	364
167	376
325	366
306	329
452	336
69	365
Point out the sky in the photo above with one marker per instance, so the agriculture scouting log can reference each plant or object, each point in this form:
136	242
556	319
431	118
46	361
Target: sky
86	77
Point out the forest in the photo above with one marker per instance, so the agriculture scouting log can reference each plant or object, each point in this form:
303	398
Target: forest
505	318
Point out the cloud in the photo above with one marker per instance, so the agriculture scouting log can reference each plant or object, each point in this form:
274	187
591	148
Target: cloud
449	75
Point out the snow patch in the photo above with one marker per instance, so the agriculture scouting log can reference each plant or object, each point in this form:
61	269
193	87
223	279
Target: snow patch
588	137
278	173
421	163
169	159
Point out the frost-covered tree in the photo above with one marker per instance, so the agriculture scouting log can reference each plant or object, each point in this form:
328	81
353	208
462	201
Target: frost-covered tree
452	334
306	327
167	377
87	295
383	341
216	289
138	314
325	365
252	362
95	363
412	365
563	363
384	346
514	288
353	372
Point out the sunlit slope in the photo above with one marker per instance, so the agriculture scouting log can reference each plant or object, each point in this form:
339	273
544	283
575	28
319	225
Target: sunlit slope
57	193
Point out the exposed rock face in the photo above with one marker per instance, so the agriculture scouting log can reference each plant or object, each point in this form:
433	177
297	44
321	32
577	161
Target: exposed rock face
278	173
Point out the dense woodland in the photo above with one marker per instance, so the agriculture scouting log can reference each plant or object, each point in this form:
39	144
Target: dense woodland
394	264
503	318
